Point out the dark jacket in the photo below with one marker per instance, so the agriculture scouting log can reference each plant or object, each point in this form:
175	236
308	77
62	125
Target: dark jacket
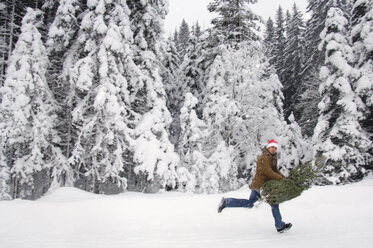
266	169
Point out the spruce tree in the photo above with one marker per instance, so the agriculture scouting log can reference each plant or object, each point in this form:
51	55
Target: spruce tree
235	22
296	39
11	12
285	70
308	97
171	78
193	133
269	40
170	72
183	38
193	67
28	114
101	110
362	31
314	58
62	32
50	8
280	42
175	37
197	31
314	26
293	60
243	108
300	179
154	156
205	166
220	113
308	94
288	19
338	135
64	26
11	15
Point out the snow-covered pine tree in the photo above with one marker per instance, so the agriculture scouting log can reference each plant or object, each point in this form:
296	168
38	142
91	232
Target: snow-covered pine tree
190	147
280	42
338	135
240	83
65	25
293	60
205	63
308	98
318	10
193	67
287	23
362	34
235	22
11	14
219	106
154	154
49	7
27	113
183	38
252	86
314	59
220	112
10	23
269	40
171	78
61	53
294	148
208	171
170	70
200	170
286	69
220	170
175	37
196	30
171	60
101	110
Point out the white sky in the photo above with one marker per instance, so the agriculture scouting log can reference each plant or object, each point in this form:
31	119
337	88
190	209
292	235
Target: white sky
193	10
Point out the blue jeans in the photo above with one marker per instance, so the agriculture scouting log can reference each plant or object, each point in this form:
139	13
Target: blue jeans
254	196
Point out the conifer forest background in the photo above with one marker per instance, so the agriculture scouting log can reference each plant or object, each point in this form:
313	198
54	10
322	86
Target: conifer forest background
95	95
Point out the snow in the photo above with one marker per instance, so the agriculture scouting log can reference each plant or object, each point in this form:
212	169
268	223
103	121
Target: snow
328	216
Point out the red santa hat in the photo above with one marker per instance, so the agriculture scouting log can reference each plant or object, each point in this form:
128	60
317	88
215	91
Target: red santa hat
272	142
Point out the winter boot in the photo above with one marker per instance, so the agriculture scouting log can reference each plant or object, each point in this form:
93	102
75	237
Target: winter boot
221	205
286	227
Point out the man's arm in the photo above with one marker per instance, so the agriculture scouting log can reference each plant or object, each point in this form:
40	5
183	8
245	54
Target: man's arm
279	172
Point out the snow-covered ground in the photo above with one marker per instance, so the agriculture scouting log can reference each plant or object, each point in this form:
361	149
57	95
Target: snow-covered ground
330	216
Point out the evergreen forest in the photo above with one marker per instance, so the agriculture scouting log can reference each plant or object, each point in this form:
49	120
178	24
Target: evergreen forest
95	95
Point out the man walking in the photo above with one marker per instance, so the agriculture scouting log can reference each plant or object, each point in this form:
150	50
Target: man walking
266	169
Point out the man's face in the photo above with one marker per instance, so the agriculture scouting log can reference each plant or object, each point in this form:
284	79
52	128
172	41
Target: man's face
272	149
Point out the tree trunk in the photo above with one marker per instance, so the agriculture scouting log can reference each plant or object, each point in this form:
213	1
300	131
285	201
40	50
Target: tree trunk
11	23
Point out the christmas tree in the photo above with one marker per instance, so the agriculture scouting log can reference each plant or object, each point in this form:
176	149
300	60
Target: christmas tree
300	179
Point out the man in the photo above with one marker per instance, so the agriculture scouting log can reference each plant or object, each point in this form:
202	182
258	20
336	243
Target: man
266	169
